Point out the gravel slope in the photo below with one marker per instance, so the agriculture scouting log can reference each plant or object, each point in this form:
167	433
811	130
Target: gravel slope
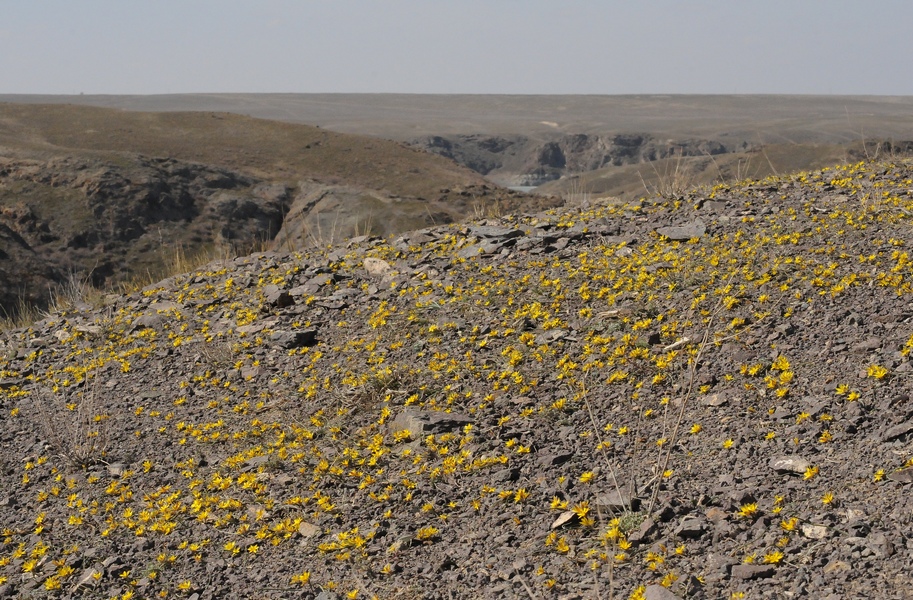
702	397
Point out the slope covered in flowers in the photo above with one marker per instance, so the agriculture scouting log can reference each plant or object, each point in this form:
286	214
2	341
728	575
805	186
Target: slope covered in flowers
709	394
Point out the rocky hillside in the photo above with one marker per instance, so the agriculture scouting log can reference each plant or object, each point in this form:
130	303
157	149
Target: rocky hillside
704	397
111	195
517	160
112	221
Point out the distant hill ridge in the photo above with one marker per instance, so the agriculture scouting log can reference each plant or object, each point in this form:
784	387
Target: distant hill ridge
111	194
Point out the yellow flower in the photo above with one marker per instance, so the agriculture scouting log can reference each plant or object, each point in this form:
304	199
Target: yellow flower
557	503
789	524
877	372
581	509
302	578
748	510
52	583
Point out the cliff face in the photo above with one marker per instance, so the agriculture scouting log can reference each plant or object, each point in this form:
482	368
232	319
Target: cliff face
523	161
107	219
115	219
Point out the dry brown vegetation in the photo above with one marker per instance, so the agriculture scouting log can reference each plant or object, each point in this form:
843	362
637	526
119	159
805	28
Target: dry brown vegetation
113	196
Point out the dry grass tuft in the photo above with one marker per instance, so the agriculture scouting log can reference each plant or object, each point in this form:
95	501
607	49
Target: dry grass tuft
76	428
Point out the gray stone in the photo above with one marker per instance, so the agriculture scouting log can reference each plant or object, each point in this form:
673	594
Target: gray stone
869	344
902	475
643	532
715	400
898	431
277	298
880	544
658	592
617	500
294	339
690	528
682	233
376	267
308	530
753	571
815	532
789	464
421	422
501	233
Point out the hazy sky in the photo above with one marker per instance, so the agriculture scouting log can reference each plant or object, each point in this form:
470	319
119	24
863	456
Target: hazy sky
457	46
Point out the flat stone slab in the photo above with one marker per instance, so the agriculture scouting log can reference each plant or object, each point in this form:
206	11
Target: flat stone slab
617	500
789	464
753	571
683	233
502	233
424	422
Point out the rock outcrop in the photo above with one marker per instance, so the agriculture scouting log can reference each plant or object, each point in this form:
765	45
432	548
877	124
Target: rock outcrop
110	219
522	161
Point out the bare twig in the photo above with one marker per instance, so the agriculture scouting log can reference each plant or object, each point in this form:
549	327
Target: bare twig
528	589
76	429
